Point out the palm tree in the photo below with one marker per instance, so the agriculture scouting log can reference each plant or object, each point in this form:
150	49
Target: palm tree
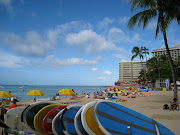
138	52
145	51
166	11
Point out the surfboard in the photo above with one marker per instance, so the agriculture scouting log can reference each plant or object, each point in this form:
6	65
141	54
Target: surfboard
31	111
47	121
114	118
78	124
67	119
56	126
38	119
88	120
12	118
22	114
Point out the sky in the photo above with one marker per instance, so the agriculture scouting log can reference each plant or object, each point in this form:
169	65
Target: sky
71	42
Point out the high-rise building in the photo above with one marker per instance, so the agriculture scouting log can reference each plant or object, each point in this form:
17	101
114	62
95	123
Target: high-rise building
174	51
129	71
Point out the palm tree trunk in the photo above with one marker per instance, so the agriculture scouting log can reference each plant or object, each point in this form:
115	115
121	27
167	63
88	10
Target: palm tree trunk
175	95
159	73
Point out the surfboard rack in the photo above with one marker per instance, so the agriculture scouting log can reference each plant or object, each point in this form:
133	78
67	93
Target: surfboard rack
129	131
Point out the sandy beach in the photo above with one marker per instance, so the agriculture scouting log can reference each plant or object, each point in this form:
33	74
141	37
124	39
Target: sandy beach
151	105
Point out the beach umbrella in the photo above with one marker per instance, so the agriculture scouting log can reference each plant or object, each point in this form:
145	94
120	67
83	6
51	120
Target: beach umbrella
35	93
116	89
66	92
6	94
109	89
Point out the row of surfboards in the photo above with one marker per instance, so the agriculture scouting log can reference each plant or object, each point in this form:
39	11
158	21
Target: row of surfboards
100	117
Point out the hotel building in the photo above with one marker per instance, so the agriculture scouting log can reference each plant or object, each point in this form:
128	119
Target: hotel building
174	51
129	71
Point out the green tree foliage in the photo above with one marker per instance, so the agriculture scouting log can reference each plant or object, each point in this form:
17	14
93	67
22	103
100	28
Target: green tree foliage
117	83
159	68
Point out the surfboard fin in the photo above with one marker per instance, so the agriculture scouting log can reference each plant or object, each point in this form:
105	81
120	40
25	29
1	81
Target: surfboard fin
129	131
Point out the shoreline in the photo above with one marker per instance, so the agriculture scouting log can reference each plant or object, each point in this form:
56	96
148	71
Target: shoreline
151	105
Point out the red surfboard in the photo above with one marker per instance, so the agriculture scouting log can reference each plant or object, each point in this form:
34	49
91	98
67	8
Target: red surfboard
47	122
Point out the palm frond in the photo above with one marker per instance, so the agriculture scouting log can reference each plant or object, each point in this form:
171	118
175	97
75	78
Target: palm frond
132	58
158	25
135	50
145	52
142	17
141	56
142	4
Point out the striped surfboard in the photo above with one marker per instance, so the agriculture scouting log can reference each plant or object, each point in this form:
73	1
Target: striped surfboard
47	122
31	112
56	124
67	119
38	119
115	119
78	123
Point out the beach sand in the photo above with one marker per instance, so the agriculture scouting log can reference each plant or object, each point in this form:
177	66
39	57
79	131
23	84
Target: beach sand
151	105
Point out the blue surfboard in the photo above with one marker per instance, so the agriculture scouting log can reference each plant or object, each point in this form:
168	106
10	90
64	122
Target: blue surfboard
115	119
78	123
56	126
67	119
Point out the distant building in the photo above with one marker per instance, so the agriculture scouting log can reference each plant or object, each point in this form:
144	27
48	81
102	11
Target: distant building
174	51
129	71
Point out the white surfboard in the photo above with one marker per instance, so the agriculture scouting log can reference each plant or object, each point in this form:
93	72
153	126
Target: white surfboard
13	118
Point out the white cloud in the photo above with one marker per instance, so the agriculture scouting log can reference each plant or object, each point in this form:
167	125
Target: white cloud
123	20
10	61
94	69
73	27
52	36
119	56
89	41
7	4
124	60
33	44
136	37
116	35
101	78
52	62
107	72
105	23
152	25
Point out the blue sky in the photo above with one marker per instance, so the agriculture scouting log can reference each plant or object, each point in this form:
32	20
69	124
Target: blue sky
70	42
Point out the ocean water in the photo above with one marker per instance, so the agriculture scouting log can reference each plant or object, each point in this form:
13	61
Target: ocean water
48	90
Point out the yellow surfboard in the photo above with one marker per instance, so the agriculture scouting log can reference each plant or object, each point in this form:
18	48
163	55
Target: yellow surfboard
38	119
88	120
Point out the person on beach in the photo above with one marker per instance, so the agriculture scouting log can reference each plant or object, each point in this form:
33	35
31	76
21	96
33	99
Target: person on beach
34	100
174	104
12	99
13	105
3	112
2	124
